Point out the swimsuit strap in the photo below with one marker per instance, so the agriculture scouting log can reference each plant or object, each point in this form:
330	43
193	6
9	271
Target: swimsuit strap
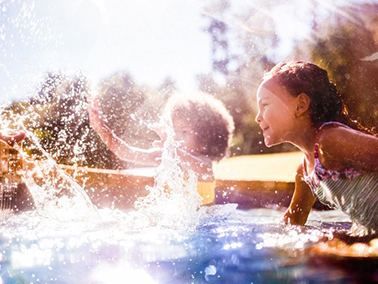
325	124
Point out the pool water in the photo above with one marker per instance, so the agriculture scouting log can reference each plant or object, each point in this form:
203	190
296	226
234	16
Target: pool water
168	238
227	246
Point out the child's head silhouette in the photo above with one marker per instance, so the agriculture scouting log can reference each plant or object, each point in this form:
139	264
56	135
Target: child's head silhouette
307	78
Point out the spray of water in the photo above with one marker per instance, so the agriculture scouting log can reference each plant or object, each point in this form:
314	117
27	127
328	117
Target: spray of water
173	201
50	186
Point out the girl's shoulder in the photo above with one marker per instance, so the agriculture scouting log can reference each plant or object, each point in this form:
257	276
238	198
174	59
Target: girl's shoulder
335	134
339	146
333	144
332	133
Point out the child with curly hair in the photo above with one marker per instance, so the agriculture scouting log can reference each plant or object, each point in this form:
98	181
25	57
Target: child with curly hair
202	128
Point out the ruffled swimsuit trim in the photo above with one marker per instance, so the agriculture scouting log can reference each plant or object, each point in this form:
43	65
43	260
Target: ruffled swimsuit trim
320	173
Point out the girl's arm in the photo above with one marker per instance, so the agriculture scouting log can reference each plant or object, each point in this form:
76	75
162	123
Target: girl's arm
301	202
147	157
342	147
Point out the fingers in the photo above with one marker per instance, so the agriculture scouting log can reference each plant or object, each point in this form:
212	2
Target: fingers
13	139
92	101
19	137
95	115
89	97
91	110
160	130
96	103
94	110
158	143
93	107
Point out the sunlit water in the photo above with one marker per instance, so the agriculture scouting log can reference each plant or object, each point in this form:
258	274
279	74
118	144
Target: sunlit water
227	246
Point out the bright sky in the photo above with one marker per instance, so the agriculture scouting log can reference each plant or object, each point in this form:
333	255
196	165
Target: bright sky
150	39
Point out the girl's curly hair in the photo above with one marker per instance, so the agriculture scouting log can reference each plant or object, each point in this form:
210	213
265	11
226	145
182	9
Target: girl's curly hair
208	118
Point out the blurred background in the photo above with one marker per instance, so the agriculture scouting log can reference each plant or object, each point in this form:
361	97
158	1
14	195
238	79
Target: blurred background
133	54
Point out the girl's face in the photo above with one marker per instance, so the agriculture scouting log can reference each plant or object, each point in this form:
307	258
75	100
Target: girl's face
276	112
185	135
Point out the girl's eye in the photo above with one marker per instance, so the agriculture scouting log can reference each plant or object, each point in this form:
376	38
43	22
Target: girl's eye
181	133
263	106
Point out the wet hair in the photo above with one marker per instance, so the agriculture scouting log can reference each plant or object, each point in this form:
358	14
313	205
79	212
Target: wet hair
208	118
304	77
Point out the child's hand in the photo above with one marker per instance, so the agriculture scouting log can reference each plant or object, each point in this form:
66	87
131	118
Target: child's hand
96	117
12	139
160	130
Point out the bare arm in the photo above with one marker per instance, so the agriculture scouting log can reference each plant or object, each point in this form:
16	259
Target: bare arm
301	202
341	147
148	157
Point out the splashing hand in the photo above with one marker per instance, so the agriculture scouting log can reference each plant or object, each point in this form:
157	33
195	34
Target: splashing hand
96	117
160	130
12	139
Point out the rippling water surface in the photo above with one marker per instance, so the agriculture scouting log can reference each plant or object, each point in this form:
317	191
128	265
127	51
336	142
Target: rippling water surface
227	246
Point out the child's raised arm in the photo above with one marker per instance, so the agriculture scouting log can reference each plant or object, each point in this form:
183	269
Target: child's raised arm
301	202
147	157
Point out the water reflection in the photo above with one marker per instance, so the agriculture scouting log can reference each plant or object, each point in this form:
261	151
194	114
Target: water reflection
236	247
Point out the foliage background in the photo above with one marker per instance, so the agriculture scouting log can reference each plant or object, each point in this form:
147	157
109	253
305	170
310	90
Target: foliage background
246	40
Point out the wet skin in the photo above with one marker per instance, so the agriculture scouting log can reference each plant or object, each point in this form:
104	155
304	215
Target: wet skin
276	115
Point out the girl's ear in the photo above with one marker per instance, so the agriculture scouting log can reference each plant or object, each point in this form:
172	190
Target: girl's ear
303	104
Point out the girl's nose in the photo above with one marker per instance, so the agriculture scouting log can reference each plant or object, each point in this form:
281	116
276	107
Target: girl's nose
258	118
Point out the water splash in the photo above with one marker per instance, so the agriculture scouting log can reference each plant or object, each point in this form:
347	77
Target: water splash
173	202
50	186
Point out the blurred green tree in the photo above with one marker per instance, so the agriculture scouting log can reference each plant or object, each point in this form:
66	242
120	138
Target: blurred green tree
241	38
130	108
119	98
345	46
57	116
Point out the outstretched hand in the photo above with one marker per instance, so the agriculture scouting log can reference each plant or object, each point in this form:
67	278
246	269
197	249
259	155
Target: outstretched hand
96	117
160	130
12	139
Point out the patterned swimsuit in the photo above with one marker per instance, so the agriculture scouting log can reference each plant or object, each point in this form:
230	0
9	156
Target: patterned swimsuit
352	191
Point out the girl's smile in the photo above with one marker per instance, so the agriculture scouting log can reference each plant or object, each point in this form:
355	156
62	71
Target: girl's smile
276	115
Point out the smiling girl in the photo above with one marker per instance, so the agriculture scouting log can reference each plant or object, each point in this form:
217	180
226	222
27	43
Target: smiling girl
299	105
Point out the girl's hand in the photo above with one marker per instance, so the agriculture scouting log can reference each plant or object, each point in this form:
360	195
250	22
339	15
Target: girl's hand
301	202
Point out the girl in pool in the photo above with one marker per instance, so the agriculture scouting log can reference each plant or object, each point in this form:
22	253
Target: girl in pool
298	104
203	128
